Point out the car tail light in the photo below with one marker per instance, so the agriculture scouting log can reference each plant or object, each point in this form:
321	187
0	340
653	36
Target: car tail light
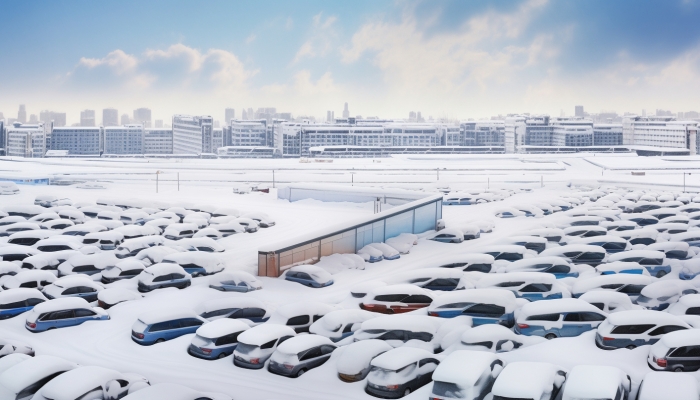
255	361
523	326
607	339
31	325
661	362
205	351
393	387
288	366
138	335
433	314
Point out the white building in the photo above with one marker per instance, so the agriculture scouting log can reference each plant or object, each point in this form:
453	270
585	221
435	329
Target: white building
26	140
249	133
158	141
77	140
126	139
571	132
660	132
193	134
607	135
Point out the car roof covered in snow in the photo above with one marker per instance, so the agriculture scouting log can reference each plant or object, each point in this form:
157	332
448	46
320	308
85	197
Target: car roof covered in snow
555	251
583	285
19	294
495	279
64	303
486	332
636	253
164	268
78	381
669	246
155	316
501	297
26	372
557	306
337	317
686	337
644	317
400	357
300	343
402	288
319	272
357	355
228	302
221	327
528	262
415	323
115	295
262	334
464	367
656	385
525	380
667	287
593	382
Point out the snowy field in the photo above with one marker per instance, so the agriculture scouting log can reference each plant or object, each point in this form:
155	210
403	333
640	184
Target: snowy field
529	181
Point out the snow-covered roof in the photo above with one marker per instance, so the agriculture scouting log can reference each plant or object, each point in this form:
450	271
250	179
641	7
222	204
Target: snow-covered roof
557	306
636	253
584	285
666	246
115	295
687	337
27	372
464	367
669	287
221	327
593	382
415	323
300	343
495	279
156	316
64	303
76	382
337	317
357	355
400	357
19	294
164	268
262	334
228	302
501	297
644	317
656	385
525	380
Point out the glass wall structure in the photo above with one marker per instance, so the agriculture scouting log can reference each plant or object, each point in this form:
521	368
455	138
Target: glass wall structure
415	217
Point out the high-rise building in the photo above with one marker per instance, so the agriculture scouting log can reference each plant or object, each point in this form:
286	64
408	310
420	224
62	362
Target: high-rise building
330	117
3	145
22	114
346	112
87	118
48	117
249	133
110	117
159	124
77	140
230	114
26	140
659	131
127	139
578	111
158	140
142	116
2	116
193	135
124	120
33	119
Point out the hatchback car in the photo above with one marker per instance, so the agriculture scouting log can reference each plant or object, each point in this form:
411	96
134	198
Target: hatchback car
532	286
158	326
529	380
25	378
91	382
399	372
163	275
300	315
578	253
300	354
396	299
217	339
235	281
353	364
676	351
309	275
492	338
61	313
256	345
655	386
340	324
632	329
14	302
249	309
465	374
196	263
557	266
558	318
596	382
484	306
73	286
125	269
660	295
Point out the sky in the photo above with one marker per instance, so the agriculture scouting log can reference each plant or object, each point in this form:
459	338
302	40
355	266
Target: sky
453	59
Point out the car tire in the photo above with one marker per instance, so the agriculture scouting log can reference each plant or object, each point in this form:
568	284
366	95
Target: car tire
222	355
406	392
301	372
550	336
631	347
161	340
678	369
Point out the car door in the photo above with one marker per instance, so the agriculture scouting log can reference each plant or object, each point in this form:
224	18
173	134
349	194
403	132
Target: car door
692	361
60	319
572	325
81	315
87	293
426	367
176	280
311	358
189	325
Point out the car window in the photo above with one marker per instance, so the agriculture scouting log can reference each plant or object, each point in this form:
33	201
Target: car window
632	289
444	282
536	288
666	329
348	328
509	284
190	322
487	310
612	286
227	339
177	276
559	269
572	317
591	317
427	361
390	297
693	311
250	312
162	278
485	344
59	315
327	349
311	353
299	320
269	344
160	326
84	313
600	306
393	335
544	317
631	329
34	387
303	275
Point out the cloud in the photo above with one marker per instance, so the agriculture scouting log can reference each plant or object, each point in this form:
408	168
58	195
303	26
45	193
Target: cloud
250	39
321	38
117	60
305	86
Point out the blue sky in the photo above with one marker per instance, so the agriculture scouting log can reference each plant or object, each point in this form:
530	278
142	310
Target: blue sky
455	59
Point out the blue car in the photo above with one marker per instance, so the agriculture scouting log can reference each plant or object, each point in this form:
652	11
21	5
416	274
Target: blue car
558	318
309	275
485	306
217	339
651	260
236	307
62	313
163	275
557	266
14	302
157	327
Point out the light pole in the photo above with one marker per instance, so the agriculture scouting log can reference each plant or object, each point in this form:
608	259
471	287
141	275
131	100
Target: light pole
684	174
157	174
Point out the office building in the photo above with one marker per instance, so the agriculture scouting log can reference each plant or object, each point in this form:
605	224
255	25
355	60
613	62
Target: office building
126	139
110	117
571	132
660	131
479	133
525	130
229	114
2	136
193	134
578	112
249	133
22	114
346	112
50	117
124	120
330	117
26	140
607	134
87	118
158	141
142	116
77	140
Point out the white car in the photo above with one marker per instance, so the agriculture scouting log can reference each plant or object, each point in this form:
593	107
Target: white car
91	382
340	324
353	364
529	380
22	380
263	219
465	375
388	252
8	188
173	391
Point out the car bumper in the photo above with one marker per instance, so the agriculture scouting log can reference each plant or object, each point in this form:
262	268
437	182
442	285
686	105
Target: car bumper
278	369
385	393
247	364
194	351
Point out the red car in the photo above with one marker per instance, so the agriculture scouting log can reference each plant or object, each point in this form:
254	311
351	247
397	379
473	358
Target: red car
396	299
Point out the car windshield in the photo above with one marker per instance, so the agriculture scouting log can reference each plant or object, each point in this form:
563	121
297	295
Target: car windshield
139	326
200	341
643	299
244	348
449	390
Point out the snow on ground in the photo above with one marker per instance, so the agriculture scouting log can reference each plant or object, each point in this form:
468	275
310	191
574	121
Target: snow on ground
108	343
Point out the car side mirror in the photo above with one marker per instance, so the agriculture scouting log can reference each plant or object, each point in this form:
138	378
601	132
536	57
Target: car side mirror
112	390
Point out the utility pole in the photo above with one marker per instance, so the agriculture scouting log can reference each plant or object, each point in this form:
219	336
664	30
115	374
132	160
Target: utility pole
157	173
178	181
541	180
438	173
273	178
684	174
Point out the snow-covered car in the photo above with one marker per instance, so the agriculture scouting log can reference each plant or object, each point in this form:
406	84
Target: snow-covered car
132	247
553	235
448	235
396	299
73	286
335	263
596	382
529	380
299	315
399	372
309	275
629	284
110	297
226	212
653	261
180	231
58	243
8	347
578	253
87	264
686	305
655	386
229	228
204	244
388	252
252	310
660	295
557	266
645	236
15	252
558	318
24	379
467	262
445	279
45	216
353	364
619	225
676	351
159	326
484	306
508	252
211	233
73	215
154	255
8	188
108	240
174	392
23	210
465	374
300	354
234	281
137	231
9	268
83	229
216	339
125	269
622	267
509	212
36	279
61	313
16	301
691	237
256	345
6	220
163	275
532	286
57	224
91	382
400	244
264	220
340	324
534	243
492	338
611	243
371	254
631	329
29	238
673	250
609	301
397	330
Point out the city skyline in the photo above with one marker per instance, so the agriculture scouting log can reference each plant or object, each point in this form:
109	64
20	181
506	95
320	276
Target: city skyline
451	59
